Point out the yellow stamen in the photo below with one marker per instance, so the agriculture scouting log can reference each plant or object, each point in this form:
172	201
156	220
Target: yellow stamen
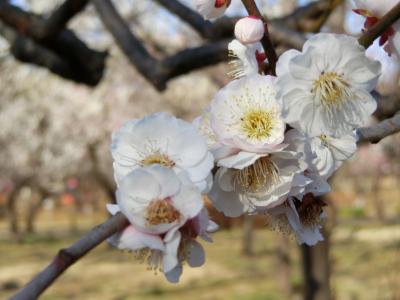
324	140
161	212
158	158
257	177
332	89
257	124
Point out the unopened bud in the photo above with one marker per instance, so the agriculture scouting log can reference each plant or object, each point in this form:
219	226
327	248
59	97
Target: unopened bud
211	9
249	30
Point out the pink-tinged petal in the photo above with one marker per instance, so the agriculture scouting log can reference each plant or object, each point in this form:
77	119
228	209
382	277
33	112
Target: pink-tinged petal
113	209
196	254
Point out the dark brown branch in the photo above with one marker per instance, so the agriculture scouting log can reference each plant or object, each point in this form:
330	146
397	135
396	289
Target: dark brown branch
155	71
38	27
61	16
203	27
266	41
27	50
65	45
379	131
131	46
368	37
68	256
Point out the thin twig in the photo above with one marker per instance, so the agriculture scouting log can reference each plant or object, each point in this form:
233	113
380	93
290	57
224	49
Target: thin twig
379	131
266	41
368	37
68	256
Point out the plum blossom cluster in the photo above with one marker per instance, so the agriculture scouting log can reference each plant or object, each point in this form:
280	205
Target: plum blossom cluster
162	166
271	141
277	139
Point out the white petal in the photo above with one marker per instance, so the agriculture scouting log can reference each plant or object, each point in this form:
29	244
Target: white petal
239	160
132	239
201	170
166	178
282	65
113	209
188	201
226	202
170	259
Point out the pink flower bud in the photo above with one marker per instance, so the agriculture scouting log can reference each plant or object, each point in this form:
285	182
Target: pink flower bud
249	30
211	9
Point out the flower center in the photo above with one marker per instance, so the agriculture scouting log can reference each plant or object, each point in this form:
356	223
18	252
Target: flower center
257	177
158	158
161	212
257	124
324	140
332	89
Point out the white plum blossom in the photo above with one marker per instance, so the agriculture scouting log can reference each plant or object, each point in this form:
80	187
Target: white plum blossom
246	115
166	214
244	185
388	82
211	9
155	200
257	174
306	228
165	140
249	30
324	154
325	89
246	58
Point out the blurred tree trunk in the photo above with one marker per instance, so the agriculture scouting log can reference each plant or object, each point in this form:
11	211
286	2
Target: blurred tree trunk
248	232
376	199
12	210
316	269
34	208
316	261
284	264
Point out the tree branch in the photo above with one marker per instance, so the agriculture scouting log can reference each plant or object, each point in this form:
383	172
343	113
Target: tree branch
27	50
157	72
68	256
61	16
368	37
88	64
379	131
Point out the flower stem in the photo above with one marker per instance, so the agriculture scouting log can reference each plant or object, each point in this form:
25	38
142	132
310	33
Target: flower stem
66	257
269	49
368	37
